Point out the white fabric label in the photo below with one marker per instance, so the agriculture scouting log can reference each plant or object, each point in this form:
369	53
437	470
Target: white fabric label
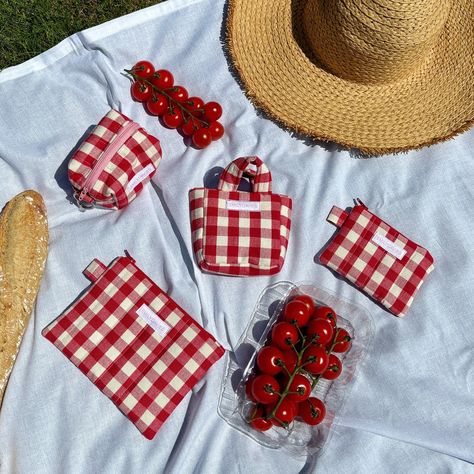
140	176
391	247
151	318
243	205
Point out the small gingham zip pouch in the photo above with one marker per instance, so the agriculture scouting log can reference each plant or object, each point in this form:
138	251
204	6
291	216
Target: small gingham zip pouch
376	258
113	163
240	233
134	342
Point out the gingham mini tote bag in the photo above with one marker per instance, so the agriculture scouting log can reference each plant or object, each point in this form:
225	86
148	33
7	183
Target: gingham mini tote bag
134	342
114	163
376	258
240	233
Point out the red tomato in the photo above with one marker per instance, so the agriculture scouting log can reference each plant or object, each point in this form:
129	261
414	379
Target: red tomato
258	421
163	79
343	341
179	93
144	69
315	359
194	104
290	360
173	117
301	388
248	388
334	368
202	138
265	388
296	312
284	414
325	312
217	130
320	331
157	105
189	127
307	300
141	91
284	335
212	111
270	360
312	411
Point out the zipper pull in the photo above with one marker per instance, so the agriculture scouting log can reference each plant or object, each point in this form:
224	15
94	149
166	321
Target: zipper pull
359	202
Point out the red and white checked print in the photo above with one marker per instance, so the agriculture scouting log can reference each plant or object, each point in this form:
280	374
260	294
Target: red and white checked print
145	372
376	258
139	153
239	233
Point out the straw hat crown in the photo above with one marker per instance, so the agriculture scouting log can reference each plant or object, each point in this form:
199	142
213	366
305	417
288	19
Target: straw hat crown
373	41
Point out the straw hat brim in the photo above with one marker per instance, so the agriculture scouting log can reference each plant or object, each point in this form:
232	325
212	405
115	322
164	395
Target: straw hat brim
430	105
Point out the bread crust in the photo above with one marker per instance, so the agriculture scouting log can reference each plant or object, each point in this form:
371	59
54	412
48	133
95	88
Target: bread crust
23	252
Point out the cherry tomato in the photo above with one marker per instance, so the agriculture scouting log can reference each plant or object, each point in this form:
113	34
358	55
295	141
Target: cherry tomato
325	312
320	331
179	93
284	414
343	341
312	411
284	335
301	388
290	360
248	388
264	388
144	69
194	104
315	359
189	127
270	360
217	130
141	91
157	105
334	368
202	138
258	421
212	111
173	117
296	312
307	300
163	79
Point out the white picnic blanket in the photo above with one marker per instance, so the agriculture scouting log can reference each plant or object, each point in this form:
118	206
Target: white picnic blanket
411	408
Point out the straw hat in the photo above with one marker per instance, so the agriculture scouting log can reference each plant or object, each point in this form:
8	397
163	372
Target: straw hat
379	75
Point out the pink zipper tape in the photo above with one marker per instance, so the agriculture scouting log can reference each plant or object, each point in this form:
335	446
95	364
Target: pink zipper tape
122	136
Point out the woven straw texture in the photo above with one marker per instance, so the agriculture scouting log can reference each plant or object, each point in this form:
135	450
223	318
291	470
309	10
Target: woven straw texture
378	75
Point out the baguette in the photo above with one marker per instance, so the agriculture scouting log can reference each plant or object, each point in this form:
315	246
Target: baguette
23	252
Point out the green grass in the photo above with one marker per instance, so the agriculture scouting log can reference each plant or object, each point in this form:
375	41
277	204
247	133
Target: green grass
29	27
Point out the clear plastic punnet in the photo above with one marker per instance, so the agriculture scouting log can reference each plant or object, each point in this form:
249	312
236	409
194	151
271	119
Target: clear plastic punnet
299	439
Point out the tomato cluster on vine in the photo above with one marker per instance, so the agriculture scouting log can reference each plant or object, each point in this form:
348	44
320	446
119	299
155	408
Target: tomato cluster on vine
299	352
162	97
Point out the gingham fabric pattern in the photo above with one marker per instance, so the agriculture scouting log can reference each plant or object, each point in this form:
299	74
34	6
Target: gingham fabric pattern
138	155
251	236
145	372
376	258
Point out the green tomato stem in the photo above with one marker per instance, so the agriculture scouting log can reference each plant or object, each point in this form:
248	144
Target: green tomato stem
187	114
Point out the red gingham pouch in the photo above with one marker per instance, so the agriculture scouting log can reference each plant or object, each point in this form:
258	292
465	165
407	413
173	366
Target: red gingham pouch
376	258
113	163
136	344
240	233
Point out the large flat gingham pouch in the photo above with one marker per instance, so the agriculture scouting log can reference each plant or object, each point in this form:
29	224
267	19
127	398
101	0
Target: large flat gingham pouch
136	344
376	258
113	163
240	233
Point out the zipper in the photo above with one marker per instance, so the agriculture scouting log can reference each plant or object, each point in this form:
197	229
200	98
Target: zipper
112	148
